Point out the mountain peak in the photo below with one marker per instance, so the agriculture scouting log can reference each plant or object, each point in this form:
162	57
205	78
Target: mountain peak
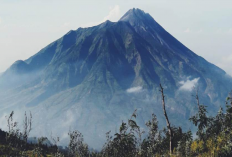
106	23
135	14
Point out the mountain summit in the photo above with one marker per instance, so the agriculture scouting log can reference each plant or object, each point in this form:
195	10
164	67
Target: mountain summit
93	78
136	14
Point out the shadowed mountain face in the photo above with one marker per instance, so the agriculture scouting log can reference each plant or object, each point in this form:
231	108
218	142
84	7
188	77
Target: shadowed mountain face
93	78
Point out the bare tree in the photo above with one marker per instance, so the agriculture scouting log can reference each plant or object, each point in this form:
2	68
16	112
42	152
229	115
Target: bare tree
167	120
13	133
229	99
56	140
27	123
197	97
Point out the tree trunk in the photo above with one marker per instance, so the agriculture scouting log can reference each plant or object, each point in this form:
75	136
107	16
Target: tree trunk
167	120
197	98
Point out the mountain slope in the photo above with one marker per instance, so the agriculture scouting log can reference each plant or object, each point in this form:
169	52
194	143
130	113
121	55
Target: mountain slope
92	78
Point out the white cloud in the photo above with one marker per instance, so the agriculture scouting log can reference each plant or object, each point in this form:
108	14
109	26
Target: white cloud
0	20
189	84
187	30
66	24
134	89
113	15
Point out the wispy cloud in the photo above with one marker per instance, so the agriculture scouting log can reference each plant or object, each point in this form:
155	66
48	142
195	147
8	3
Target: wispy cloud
188	84
113	15
134	89
66	24
197	30
187	30
64	27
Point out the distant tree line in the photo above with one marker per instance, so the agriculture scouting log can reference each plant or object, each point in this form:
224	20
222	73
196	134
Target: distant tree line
214	138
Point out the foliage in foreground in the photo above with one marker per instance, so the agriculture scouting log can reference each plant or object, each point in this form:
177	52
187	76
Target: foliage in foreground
214	138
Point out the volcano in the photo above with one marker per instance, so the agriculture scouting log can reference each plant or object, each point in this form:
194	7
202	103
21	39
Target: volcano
93	78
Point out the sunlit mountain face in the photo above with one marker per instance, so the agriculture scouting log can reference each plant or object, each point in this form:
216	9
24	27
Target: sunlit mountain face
93	78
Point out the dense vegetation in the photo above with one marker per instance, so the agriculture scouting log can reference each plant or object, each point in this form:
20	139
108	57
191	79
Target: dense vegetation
213	138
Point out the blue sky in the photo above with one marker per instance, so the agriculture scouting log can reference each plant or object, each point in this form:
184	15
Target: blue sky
26	26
